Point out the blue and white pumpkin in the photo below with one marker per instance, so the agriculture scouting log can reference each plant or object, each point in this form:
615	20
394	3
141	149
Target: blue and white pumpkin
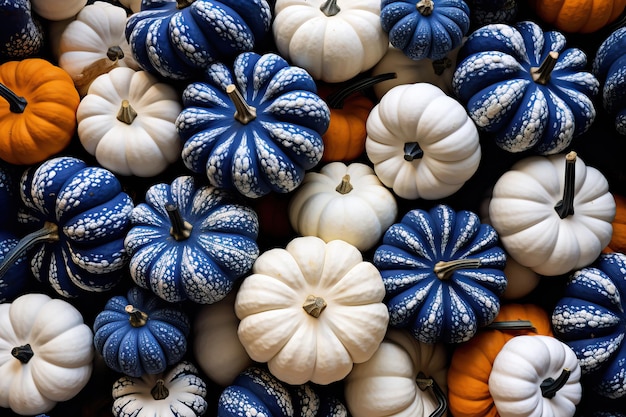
257	128
590	319
524	88
179	38
426	29
190	241
138	333
13	280
21	34
443	274
609	66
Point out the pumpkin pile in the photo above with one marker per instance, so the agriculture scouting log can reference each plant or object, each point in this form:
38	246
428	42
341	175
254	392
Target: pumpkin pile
312	208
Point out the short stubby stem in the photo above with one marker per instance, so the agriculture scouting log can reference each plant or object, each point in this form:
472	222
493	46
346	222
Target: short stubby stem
126	114
159	391
330	8
344	186
22	353
115	53
425	7
412	151
136	317
314	305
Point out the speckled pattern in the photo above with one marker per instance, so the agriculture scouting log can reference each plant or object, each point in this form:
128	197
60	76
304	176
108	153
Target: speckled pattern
433	309
20	35
609	66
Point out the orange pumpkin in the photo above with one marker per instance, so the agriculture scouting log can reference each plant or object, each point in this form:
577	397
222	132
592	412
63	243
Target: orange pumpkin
578	16
38	113
472	361
618	238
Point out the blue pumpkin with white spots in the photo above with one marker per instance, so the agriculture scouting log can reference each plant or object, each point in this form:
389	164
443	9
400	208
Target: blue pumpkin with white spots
138	333
191	241
255	129
443	274
609	66
590	319
13	280
524	88
425	28
21	34
177	39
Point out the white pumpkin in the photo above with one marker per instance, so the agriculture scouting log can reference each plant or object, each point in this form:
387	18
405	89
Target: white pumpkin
422	142
127	121
312	310
553	213
46	353
334	40
57	9
346	202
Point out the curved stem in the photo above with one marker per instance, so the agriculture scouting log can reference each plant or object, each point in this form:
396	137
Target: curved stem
444	269
344	187
330	8
550	386
180	229
336	99
48	233
244	113
565	206
508	325
424	383
115	53
425	7
126	114
440	65
136	317
22	353
541	74
159	391
17	104
314	305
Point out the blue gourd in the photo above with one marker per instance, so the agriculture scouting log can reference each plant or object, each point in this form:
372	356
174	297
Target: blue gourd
191	241
255	129
21	35
609	66
14	282
524	88
426	28
138	333
443	274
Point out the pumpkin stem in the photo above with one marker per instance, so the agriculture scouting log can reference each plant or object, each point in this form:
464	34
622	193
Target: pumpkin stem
244	113
565	207
425	7
336	99
412	151
180	229
444	269
330	8
314	305
541	74
17	104
424	383
114	53
508	325
442	64
48	233
136	317
126	114
159	391
344	187
23	353
181	4
550	386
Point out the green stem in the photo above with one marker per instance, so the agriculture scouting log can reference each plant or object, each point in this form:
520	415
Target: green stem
330	8
550	386
17	104
136	317
541	74
565	207
22	353
444	269
425	383
48	233
425	7
336	99
180	229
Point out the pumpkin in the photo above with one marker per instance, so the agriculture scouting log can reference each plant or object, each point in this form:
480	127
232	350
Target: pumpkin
81	216
311	310
14	276
57	9
618	237
421	142
180	391
127	121
178	39
553	213
190	241
535	376
608	66
403	378
580	16
46	353
426	28
21	34
38	110
472	362
334	40
443	274
589	318
256	129
485	12
524	88
138	333
94	43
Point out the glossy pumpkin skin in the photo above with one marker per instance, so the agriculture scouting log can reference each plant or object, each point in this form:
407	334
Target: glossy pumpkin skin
135	345
21	34
203	267
495	80
579	16
270	152
608	66
48	121
442	306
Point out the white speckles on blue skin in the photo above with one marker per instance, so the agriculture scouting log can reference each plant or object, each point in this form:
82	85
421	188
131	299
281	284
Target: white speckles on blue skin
614	89
620	122
307	402
288	79
304	144
229	33
303	108
185	35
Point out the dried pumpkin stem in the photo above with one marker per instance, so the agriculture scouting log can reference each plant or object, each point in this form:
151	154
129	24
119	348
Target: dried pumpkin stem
115	53
22	353
136	317
442	64
542	73
159	391
509	325
126	114
412	151
550	386
48	233
244	113
425	7
181	4
330	8
424	383
180	229
344	187
444	269
565	206
17	104
314	305
336	100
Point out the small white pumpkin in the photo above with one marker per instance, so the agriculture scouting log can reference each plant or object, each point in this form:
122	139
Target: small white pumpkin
57	9
346	202
312	310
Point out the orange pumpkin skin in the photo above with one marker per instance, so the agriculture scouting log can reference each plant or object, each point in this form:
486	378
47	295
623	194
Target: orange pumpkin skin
618	238
471	362
578	16
48	122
